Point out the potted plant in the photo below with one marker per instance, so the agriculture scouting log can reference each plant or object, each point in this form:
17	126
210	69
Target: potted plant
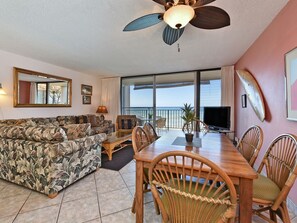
189	117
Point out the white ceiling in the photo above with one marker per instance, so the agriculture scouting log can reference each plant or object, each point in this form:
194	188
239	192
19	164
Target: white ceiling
86	35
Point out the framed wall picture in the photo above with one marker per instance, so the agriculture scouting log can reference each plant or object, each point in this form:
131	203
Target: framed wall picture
291	84
86	89
86	99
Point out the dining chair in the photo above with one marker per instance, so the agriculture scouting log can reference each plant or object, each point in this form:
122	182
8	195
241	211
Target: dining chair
151	132
250	144
190	197
201	126
140	140
270	191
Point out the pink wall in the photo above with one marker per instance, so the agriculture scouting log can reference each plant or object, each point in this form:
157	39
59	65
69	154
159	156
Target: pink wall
265	60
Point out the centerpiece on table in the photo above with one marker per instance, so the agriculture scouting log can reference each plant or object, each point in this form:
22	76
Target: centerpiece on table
189	118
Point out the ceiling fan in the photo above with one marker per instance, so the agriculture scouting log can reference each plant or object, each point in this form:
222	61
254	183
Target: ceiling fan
178	13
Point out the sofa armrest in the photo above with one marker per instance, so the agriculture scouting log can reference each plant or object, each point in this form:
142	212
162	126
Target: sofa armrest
71	146
33	133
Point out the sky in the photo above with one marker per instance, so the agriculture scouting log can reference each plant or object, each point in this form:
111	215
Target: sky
177	96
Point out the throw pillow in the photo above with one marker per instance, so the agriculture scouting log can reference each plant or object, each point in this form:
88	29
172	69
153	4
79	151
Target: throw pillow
75	131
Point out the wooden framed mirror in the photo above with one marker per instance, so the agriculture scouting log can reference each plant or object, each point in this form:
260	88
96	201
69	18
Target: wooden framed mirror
35	89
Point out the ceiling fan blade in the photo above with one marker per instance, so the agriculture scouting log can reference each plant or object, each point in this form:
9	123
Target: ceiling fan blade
202	2
170	35
144	22
210	17
161	2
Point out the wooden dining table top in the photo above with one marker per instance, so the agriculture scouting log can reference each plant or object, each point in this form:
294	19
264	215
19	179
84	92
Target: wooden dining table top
214	146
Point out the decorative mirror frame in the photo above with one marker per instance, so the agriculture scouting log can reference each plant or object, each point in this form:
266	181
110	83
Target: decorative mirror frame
30	72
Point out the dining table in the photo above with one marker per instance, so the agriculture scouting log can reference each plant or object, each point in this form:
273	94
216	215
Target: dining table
216	147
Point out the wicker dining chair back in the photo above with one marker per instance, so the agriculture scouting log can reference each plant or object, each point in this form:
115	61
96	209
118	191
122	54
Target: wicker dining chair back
189	189
250	144
140	139
280	163
151	132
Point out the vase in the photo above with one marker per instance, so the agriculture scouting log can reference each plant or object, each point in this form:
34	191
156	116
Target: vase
189	137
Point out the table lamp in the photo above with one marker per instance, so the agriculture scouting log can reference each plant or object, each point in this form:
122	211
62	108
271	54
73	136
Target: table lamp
102	110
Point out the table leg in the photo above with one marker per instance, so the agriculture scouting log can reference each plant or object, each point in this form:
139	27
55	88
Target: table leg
109	149
245	200
139	191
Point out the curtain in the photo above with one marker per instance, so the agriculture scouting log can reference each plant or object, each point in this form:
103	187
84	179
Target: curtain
227	94
110	97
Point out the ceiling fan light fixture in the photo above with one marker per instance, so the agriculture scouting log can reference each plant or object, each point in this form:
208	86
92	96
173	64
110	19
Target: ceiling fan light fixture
179	16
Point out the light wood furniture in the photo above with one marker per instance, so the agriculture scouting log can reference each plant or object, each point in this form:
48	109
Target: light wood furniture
189	197
250	144
140	140
215	147
270	192
113	140
125	123
151	132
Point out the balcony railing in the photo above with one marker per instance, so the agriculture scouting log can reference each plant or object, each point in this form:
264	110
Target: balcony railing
172	114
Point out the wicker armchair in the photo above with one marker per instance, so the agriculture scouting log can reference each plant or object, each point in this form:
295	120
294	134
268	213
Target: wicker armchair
140	140
151	132
270	192
190	197
250	144
126	123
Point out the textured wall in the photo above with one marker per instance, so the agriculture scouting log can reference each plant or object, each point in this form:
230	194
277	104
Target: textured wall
9	60
265	60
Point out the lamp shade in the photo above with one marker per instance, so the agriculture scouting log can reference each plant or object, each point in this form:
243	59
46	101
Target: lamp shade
1	90
101	109
179	16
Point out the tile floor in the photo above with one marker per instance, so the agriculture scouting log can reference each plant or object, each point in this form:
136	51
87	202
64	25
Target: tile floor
104	196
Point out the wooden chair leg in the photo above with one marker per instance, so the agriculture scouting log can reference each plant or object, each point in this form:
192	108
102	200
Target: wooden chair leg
272	215
284	213
156	207
134	204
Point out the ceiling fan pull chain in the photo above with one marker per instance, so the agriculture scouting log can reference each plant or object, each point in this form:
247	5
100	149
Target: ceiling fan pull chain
178	33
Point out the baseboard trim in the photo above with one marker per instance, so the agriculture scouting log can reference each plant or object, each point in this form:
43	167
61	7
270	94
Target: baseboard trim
292	206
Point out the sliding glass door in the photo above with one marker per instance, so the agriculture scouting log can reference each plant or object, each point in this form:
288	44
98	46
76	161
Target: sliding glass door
158	98
172	92
138	98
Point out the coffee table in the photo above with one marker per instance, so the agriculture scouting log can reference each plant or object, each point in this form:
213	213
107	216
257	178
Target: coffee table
115	139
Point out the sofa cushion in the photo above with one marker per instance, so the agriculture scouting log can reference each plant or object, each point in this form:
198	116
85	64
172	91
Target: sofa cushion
81	119
75	131
66	120
45	134
12	132
93	120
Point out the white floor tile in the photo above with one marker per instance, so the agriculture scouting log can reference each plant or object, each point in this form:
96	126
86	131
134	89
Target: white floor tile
42	215
115	201
37	200
11	205
78	211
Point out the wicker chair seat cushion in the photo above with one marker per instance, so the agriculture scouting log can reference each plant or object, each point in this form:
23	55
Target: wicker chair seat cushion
265	189
184	206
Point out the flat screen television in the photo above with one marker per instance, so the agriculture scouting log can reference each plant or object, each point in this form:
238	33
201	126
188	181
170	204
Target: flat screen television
217	117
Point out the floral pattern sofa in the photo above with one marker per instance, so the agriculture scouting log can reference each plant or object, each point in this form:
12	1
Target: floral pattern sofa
48	154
